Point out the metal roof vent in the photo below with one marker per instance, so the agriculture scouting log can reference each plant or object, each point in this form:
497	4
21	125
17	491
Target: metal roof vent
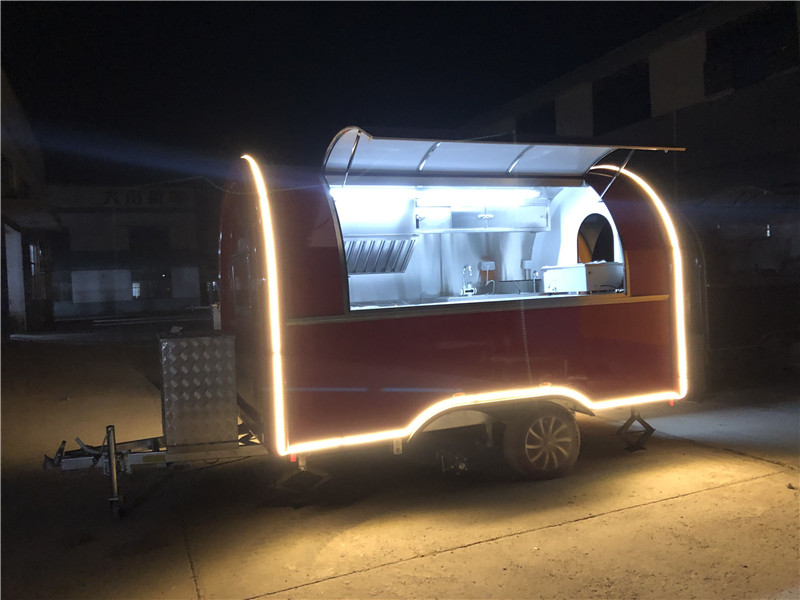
378	254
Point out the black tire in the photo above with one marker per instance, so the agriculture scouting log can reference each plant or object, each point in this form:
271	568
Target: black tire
542	443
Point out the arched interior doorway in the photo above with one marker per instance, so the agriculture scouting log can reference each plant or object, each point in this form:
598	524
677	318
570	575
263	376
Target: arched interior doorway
595	240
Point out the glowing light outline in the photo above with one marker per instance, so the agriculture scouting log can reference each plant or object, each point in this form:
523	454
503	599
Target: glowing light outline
273	308
681	352
476	400
460	401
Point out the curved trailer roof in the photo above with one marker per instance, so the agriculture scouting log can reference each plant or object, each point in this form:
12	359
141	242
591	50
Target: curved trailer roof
354	152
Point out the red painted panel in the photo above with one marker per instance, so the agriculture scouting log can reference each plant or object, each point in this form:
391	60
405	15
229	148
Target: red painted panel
357	376
354	377
307	244
641	232
603	351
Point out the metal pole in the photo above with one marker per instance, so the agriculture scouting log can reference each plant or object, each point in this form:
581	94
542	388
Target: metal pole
613	179
112	469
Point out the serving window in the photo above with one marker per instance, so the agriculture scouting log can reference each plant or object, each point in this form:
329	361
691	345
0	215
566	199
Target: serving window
418	245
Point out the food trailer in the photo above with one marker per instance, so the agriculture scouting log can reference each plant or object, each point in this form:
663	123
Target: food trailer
417	286
422	285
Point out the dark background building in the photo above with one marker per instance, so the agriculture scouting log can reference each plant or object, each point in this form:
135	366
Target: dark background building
27	223
87	252
721	81
133	250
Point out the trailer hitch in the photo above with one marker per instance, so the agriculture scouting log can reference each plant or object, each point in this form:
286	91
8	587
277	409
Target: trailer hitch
87	457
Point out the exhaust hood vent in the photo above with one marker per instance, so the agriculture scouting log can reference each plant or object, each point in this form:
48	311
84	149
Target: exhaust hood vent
378	254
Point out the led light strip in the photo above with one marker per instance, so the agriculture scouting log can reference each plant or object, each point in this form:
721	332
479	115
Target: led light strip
476	400
273	307
281	443
681	353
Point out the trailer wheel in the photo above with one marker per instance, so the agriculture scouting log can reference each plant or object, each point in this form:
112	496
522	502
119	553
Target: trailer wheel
543	443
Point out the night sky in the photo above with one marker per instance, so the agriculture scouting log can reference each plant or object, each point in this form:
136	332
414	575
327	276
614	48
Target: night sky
143	91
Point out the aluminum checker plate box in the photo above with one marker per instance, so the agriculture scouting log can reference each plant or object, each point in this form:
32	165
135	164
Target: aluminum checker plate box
198	394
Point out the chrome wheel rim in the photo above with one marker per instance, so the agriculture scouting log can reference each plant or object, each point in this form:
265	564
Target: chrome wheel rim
548	443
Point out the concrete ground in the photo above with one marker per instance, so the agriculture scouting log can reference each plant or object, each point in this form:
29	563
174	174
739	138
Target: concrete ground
708	511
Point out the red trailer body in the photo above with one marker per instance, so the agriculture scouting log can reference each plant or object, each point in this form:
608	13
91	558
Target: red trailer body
359	319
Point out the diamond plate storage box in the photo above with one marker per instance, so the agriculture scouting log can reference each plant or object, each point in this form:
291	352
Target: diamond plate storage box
198	395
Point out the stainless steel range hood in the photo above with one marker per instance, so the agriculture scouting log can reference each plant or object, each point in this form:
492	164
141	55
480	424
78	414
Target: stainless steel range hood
378	254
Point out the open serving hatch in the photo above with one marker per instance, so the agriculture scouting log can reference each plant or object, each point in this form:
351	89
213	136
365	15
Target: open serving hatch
428	222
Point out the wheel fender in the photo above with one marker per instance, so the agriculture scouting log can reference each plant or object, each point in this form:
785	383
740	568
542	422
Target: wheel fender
523	406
